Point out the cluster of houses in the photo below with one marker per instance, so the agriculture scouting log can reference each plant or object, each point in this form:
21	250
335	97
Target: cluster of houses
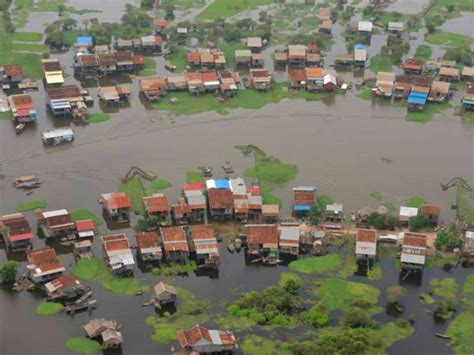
312	79
103	64
419	89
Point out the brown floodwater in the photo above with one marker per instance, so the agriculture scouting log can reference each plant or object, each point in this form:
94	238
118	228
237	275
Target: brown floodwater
338	144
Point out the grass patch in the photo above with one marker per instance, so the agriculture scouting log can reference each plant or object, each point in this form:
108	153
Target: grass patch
381	63
423	52
390	206
465	203
156	186
6	115
375	273
448	39
194	175
415	201
71	36
31	62
225	8
174	269
377	195
427	114
365	95
49	308
29	47
248	99
96	269
443	287
229	52
82	213
27	36
461	330
349	265
98	117
83	345
178	57
149	68
31	205
338	293
135	191
316	265
254	344
324	200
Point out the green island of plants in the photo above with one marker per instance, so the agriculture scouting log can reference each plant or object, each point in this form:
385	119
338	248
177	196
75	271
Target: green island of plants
98	117
49	308
82	213
83	345
31	205
316	264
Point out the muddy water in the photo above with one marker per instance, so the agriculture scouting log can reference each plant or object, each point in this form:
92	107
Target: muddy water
408	7
461	25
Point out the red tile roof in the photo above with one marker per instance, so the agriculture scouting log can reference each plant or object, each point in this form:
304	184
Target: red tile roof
209	76
181	209
147	240
84	225
312	47
88	60
262	234
156	204
115	242
64	281
138	59
118	200
195	186
161	22
202	232
366	235
415	240
412	64
193	336
22	100
298	75
174	239
158	40
220	198
18	225
193	57
193	76
42	256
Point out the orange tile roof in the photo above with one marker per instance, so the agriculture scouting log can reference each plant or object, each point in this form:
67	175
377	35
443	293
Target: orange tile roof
220	198
415	240
147	240
156	204
262	234
366	235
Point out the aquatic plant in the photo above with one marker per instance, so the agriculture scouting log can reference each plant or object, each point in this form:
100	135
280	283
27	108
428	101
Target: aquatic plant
8	272
174	269
465	204
157	185
32	205
254	344
377	195
49	308
98	117
82	213
461	330
318	315
316	264
82	345
135	191
415	201
375	272
194	175
290	282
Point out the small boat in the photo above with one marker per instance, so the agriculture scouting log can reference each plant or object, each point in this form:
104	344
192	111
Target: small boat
443	336
27	182
20	128
207	171
238	244
57	136
230	247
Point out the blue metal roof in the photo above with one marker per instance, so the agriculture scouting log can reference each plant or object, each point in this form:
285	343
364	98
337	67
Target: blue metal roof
417	98
359	46
301	208
84	40
222	184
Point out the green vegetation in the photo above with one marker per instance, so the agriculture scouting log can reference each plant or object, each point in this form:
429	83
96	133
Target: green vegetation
189	313
381	63
149	68
178	57
467	298
338	293
82	213
135	191
375	273
248	99
31	205
324	200
390	206
6	115
443	297
290	282
157	185
31	62
27	36
174	269
415	201
83	345
194	175
8	271
274	306
98	117
49	308
448	39
423	52
429	110
465	203
460	330
225	9
257	345
96	269
382	221
229	49
316	264
419	223
377	195
318	316
366	94
450	238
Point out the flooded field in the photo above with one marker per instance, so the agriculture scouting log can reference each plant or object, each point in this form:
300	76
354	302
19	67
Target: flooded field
348	147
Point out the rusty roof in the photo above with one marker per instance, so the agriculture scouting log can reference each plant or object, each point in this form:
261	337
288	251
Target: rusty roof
88	60
17	223
304	197
138	59
13	69
192	336
270	210
171	234
115	242
207	58
298	75
21	99
413	64
156	203
430	209
204	231
209	76
181	209
42	256
64	92
414	240
123	56
118	200
366	235
51	65
107	59
451	72
262	234
192	76
147	240
193	56
84	225
315	73
220	198
151	84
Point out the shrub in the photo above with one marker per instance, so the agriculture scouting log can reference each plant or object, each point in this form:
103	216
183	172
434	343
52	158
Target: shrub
318	316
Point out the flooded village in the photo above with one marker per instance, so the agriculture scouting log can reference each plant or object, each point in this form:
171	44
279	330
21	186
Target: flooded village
274	177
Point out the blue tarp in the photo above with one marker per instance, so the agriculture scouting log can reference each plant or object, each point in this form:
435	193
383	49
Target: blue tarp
84	40
222	184
301	208
359	46
417	98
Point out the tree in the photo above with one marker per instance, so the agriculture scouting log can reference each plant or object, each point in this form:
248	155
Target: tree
391	222
68	24
450	238
376	220
315	214
8	272
61	9
430	27
147	4
169	11
355	317
419	222
318	316
450	8
291	283
394	293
